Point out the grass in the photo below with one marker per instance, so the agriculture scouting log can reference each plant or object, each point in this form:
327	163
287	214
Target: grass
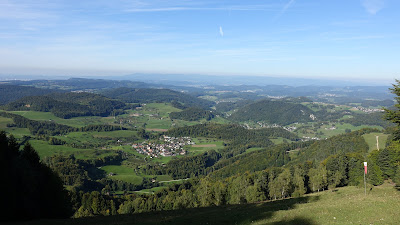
204	145
156	116
253	149
45	150
17	132
347	205
371	140
340	128
163	178
123	173
73	122
280	140
152	190
4	121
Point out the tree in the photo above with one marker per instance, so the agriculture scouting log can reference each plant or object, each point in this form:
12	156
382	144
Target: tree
30	189
394	114
318	178
298	181
280	187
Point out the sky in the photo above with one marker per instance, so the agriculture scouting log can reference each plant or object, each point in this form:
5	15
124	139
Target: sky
349	39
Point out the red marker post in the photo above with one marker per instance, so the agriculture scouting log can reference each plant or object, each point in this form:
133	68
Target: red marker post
365	183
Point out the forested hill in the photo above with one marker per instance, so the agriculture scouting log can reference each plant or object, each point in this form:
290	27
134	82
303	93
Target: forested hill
237	135
273	112
9	93
340	144
67	105
147	95
192	114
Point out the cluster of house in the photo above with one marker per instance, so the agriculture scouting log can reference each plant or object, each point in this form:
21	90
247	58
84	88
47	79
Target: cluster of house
267	125
310	138
367	110
171	146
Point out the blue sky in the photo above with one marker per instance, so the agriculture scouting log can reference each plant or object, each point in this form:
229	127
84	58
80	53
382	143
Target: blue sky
352	39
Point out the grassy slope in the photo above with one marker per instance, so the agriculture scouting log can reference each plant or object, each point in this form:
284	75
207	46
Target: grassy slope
123	173
371	140
345	206
74	122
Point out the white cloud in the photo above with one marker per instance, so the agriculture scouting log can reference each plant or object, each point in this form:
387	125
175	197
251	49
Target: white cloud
373	6
221	32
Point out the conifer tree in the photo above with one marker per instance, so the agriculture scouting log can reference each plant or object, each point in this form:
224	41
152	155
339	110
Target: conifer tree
394	114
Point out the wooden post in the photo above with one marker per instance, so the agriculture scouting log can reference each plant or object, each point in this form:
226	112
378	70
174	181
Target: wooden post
365	186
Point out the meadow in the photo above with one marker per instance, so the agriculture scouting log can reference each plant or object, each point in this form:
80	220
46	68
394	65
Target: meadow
48	116
122	173
347	205
372	142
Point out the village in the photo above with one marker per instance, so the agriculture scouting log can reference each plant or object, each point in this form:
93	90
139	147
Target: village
171	146
367	110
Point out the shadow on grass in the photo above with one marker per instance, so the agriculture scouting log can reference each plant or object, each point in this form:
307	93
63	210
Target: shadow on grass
228	214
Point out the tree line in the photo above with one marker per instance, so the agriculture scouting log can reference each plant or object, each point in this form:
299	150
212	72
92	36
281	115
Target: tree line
148	95
233	133
51	128
192	114
68	105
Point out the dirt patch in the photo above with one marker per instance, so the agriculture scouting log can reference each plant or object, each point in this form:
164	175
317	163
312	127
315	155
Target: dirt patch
162	130
204	146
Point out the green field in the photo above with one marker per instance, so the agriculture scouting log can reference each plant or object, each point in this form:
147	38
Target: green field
346	205
253	149
73	122
371	140
155	116
99	139
163	178
44	150
123	173
326	131
203	145
17	132
280	140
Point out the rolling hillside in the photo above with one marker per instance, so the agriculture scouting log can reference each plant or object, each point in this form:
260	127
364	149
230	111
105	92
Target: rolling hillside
273	112
67	105
10	93
147	95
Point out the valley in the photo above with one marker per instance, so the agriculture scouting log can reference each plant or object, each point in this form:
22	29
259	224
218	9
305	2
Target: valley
160	143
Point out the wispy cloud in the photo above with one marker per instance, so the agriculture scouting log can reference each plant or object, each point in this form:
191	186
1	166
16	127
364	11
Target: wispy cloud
167	8
10	10
221	32
367	37
285	8
373	6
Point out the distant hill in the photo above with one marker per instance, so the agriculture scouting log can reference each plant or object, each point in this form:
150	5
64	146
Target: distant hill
273	112
192	114
94	85
228	106
67	105
73	84
147	95
9	93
